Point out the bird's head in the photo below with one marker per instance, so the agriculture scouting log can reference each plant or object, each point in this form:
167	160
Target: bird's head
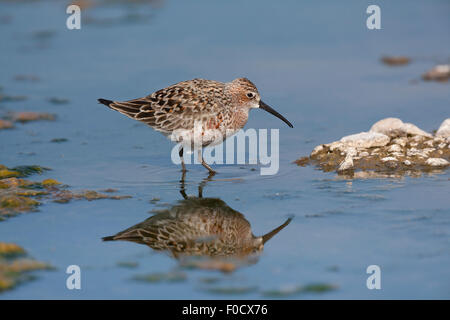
245	95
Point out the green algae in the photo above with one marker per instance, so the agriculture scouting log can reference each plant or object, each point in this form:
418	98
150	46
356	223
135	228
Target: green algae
209	280
18	195
232	290
6	173
8	98
128	264
16	266
59	140
161	277
25	171
9	250
65	196
316	288
50	182
56	100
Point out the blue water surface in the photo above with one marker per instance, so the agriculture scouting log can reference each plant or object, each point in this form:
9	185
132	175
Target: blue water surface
315	62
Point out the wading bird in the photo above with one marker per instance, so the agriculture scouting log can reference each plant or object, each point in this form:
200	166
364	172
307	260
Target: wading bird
196	113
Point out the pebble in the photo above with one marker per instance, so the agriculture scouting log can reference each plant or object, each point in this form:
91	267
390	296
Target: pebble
437	162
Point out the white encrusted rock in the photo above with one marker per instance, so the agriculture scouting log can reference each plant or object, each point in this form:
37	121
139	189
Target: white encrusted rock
364	154
395	148
426	151
437	162
413	152
337	145
346	164
316	150
428	143
394	127
400	141
441	72
365	140
385	159
411	129
444	129
391	127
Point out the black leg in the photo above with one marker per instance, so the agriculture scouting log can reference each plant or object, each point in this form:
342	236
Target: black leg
211	171
183	167
182	185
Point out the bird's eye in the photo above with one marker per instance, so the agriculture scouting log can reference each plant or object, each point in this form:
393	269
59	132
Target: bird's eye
251	95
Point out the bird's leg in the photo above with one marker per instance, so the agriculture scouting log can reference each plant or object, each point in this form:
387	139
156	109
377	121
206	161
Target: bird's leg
211	171
183	166
183	175
203	183
182	186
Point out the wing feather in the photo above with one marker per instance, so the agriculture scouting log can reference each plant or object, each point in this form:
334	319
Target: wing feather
176	107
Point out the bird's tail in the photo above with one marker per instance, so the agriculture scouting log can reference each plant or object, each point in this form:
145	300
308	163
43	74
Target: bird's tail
132	109
110	238
105	102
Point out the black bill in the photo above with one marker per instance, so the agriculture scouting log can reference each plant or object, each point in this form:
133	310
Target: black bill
269	235
264	106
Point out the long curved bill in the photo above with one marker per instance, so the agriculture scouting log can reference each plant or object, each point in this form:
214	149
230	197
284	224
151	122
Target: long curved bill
264	106
269	235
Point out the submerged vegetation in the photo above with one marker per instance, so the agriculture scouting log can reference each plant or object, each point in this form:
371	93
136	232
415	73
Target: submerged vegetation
16	266
19	195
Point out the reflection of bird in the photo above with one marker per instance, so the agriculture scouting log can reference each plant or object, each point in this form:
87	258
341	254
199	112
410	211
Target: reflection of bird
196	113
200	227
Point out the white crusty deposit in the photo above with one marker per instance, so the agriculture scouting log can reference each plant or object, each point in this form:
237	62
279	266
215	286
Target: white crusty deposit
390	146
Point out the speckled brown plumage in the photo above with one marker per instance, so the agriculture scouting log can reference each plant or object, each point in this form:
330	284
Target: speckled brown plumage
216	109
198	227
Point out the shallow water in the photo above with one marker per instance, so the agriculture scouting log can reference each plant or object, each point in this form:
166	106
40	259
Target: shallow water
316	63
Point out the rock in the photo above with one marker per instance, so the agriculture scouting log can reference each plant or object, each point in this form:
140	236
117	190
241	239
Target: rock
347	164
391	127
395	148
337	145
428	143
427	151
4	124
364	140
397	154
316	150
389	159
28	116
444	129
364	154
437	162
394	127
411	129
438	73
395	60
391	148
400	141
414	152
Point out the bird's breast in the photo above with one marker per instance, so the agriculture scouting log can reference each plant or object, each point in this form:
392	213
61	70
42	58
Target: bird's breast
240	118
